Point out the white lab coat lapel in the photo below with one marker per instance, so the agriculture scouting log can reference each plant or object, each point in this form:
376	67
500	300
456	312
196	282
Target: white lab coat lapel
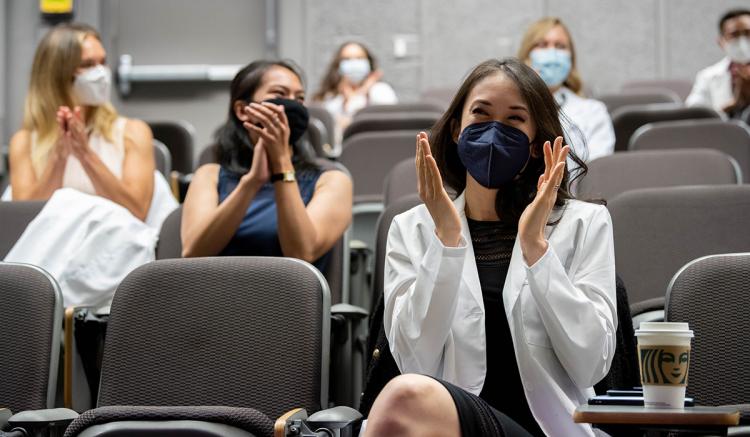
517	276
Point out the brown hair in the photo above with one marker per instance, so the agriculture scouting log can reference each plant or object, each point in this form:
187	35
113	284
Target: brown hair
329	86
512	198
535	34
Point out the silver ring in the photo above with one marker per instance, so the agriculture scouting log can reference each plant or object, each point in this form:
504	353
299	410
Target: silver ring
556	187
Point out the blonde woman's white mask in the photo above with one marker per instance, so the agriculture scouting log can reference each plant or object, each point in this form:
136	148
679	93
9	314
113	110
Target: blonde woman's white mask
92	87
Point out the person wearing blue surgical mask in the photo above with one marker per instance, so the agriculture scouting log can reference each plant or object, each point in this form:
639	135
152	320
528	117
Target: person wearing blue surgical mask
499	304
352	82
548	48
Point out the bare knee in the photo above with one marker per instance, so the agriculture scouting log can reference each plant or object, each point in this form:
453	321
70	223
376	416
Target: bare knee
410	405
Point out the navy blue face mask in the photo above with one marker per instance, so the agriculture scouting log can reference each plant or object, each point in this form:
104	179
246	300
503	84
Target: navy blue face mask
492	152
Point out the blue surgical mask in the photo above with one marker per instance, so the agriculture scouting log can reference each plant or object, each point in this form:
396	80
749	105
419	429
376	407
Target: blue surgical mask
553	65
356	70
493	153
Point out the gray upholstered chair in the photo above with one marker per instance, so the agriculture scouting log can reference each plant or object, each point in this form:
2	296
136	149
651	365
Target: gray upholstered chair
681	87
163	158
658	230
611	175
170	246
31	320
319	112
369	156
615	101
401	181
178	136
235	332
711	295
730	136
627	119
15	216
408	107
411	121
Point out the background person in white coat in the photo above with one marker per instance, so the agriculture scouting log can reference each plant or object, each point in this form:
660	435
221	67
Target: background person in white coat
719	86
548	48
504	297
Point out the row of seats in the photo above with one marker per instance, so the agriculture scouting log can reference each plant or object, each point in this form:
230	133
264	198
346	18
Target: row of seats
257	344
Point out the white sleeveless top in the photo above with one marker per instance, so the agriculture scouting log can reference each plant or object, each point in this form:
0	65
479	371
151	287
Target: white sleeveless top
112	154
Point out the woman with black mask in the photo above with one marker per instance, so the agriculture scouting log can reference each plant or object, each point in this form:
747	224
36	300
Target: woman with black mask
266	197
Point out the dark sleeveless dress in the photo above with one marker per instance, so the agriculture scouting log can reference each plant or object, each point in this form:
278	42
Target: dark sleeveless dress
258	234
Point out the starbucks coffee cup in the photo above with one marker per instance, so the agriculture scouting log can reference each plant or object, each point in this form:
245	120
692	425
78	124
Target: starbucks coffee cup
664	359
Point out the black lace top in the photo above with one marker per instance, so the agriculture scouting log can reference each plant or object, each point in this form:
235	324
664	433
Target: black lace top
493	246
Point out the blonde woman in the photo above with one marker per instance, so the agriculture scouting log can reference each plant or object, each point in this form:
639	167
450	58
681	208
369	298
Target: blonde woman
72	136
548	48
95	169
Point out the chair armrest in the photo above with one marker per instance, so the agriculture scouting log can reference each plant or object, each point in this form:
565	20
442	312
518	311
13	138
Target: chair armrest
34	421
5	414
350	312
288	423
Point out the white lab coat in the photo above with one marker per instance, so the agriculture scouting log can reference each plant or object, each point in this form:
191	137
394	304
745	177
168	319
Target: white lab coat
561	311
712	87
586	121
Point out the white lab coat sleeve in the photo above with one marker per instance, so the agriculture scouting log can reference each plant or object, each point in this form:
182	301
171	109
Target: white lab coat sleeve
421	295
579	311
601	135
700	94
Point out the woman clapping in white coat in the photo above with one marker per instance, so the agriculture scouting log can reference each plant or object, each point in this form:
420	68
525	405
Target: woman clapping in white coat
499	305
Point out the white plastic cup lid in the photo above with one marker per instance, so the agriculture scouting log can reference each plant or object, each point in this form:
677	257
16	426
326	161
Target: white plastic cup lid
671	328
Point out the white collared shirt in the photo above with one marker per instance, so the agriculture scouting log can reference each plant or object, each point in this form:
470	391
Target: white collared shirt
586	121
712	87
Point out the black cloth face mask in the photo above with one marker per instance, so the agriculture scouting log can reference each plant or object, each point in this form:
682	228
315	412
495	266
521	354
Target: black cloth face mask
296	114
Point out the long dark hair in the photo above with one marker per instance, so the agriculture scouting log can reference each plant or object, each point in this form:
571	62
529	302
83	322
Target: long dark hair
235	151
329	86
513	197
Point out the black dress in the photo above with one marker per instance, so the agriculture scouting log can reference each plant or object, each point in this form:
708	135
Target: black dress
501	408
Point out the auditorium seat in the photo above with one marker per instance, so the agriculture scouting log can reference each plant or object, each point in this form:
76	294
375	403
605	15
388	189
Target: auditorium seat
208	339
411	121
162	158
681	87
31	320
627	119
658	230
729	136
15	216
611	175
711	295
178	136
408	107
615	101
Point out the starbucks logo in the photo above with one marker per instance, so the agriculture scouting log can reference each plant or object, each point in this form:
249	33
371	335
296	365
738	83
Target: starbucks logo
664	365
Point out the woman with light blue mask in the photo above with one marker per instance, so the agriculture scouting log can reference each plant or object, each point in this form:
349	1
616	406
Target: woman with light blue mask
548	48
352	82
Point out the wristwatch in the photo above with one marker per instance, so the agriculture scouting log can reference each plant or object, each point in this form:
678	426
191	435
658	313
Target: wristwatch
285	176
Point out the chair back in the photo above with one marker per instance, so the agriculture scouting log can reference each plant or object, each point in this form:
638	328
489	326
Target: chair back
615	101
681	87
414	122
711	295
731	137
401	181
658	230
370	156
409	107
626	120
178	136
15	216
611	175
319	112
31	317
230	331
162	158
